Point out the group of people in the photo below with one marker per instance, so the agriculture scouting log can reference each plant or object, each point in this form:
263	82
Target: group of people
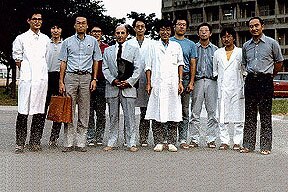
168	79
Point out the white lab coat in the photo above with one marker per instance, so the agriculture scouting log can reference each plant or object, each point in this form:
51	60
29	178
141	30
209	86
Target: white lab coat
31	49
164	102
230	85
142	96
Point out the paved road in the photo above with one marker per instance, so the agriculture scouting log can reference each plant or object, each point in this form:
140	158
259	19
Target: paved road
198	170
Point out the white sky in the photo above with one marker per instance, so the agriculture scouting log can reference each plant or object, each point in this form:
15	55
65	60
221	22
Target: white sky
120	8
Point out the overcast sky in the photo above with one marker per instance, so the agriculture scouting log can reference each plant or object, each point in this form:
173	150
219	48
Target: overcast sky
120	8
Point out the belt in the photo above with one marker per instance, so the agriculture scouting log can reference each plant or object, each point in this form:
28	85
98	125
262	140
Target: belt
80	72
255	75
198	78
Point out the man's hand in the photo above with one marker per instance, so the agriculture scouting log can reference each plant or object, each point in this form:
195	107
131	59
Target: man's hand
61	88
93	85
148	88
116	82
18	64
190	87
180	88
124	85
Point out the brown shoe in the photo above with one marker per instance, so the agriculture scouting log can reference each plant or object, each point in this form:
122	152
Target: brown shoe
67	149
108	148
133	149
223	146
193	144
245	150
211	145
265	152
81	149
236	147
184	146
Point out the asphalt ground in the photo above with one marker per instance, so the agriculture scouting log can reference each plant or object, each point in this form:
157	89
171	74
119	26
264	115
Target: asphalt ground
200	169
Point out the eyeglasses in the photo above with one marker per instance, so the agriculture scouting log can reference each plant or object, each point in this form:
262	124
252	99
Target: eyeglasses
227	37
122	32
96	31
36	19
165	29
181	24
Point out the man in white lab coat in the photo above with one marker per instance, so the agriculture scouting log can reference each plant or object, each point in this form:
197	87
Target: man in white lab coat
227	65
164	85
29	51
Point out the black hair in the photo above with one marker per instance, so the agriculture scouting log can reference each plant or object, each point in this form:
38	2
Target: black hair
204	24
138	19
260	20
229	30
164	23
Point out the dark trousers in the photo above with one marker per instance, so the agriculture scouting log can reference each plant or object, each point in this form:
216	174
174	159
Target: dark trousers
98	105
258	96
144	125
159	132
53	89
38	121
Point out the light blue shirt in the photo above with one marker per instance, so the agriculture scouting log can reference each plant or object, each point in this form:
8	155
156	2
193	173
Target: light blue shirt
80	53
52	56
189	51
204	66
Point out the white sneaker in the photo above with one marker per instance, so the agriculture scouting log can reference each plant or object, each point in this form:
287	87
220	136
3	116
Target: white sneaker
158	148
172	148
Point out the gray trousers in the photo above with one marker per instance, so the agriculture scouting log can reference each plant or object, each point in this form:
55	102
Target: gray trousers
78	87
128	106
205	90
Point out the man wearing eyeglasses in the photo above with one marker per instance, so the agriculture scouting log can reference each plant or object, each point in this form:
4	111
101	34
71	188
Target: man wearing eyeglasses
189	56
79	57
97	100
29	51
121	68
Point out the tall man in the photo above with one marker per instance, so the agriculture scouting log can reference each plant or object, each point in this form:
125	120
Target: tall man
189	56
79	57
97	101
121	70
144	44
263	59
29	51
53	76
205	88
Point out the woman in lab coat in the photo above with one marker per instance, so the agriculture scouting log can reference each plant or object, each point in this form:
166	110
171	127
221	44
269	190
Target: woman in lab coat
227	65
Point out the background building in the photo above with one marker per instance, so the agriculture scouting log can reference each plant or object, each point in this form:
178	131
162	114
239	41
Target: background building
233	13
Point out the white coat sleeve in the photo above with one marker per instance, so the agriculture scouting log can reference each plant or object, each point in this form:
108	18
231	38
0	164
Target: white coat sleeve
17	49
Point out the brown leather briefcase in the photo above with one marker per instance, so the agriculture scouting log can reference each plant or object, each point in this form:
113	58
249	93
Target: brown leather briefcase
60	109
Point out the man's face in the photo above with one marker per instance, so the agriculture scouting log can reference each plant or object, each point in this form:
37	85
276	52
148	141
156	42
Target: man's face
121	34
180	27
165	33
56	32
97	33
81	25
35	22
227	40
140	28
255	27
204	33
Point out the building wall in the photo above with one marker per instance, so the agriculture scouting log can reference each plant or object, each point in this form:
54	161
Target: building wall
233	13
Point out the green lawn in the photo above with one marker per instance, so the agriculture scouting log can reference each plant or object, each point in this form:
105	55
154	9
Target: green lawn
279	107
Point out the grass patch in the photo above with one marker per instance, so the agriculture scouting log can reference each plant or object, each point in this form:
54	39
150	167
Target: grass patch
280	107
5	99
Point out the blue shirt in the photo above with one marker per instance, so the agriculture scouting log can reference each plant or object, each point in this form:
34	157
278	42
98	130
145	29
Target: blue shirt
80	53
260	57
204	66
189	51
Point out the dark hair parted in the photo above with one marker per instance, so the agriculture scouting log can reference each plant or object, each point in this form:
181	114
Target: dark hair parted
259	19
138	19
229	30
204	24
164	23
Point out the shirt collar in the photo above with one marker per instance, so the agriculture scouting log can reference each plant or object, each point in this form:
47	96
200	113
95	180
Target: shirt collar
198	44
32	33
61	40
76	36
263	38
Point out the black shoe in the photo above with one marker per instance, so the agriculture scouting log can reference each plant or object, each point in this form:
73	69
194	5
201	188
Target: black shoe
35	148
67	149
80	149
19	149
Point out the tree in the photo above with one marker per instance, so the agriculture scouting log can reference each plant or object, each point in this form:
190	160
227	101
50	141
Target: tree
150	22
13	21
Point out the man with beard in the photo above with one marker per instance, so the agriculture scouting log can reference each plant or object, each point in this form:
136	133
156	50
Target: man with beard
79	57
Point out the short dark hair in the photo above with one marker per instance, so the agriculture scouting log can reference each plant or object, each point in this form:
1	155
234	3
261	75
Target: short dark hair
123	25
163	23
204	24
229	30
181	18
259	19
32	12
138	19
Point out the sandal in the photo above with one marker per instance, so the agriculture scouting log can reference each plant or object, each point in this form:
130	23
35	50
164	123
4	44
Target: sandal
223	146
265	152
245	150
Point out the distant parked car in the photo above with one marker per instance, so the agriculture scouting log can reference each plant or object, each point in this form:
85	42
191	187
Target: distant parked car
280	82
